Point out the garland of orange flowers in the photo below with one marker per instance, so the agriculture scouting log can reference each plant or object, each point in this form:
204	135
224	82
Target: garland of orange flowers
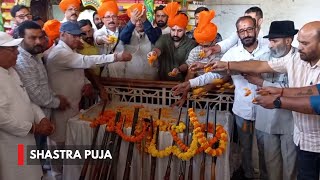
203	141
136	138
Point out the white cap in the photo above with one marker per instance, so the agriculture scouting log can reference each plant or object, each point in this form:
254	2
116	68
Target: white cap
6	40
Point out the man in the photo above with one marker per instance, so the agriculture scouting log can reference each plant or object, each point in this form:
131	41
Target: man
173	49
87	38
33	74
20	119
196	19
38	20
97	20
161	19
71	9
66	77
20	13
139	37
107	38
243	108
303	70
276	126
225	45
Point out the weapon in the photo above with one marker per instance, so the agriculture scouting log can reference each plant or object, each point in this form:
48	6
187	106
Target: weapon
127	169
203	163
186	137
168	171
93	144
214	159
115	157
154	159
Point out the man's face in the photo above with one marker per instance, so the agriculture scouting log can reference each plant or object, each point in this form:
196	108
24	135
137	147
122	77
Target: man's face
247	32
196	19
71	40
97	21
22	15
177	33
33	41
72	13
88	34
161	19
309	45
278	47
139	26
206	45
110	20
257	18
8	56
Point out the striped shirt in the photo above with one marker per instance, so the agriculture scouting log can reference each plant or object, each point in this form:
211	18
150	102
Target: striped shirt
300	73
34	76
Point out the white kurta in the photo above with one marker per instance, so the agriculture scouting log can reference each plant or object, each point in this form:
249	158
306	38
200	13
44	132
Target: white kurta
17	114
66	77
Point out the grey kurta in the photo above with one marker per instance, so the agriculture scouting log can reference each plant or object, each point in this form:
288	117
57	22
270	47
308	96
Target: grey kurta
17	114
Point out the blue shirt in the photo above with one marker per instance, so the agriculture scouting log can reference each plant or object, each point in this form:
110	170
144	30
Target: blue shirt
315	101
152	33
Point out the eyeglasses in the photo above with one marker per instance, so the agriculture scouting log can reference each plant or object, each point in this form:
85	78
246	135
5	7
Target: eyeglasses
248	30
111	17
23	16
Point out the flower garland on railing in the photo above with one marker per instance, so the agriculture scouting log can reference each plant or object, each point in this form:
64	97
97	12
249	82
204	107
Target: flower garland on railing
203	141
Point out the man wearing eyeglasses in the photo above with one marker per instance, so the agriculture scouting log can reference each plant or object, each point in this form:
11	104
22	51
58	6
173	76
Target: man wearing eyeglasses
20	13
71	9
107	38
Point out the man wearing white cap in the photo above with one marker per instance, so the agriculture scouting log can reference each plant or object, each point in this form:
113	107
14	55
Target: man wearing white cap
19	118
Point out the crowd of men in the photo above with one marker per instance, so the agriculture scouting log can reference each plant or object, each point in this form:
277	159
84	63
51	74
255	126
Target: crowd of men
43	65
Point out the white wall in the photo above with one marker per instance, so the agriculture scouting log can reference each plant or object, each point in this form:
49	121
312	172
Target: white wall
299	11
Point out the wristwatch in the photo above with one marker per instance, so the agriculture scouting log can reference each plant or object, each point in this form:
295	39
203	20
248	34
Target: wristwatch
277	103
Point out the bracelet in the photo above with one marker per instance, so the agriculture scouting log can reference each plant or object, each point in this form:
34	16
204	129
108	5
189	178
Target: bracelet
228	68
281	94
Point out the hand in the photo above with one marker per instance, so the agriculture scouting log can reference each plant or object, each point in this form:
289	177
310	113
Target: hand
179	102
182	88
265	101
196	66
135	15
254	79
143	16
87	90
123	56
213	50
80	45
64	103
104	95
174	72
263	91
217	65
45	127
152	57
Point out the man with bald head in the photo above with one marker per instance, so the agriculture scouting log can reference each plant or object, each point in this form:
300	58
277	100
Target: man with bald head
303	69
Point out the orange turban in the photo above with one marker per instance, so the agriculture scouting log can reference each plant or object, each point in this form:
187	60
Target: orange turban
205	31
107	5
138	6
52	29
180	20
64	4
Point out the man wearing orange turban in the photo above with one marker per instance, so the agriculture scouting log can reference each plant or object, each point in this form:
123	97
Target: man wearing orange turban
71	9
138	37
51	27
107	38
172	49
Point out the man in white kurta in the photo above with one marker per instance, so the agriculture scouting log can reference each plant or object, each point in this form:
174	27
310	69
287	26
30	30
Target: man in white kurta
66	76
18	116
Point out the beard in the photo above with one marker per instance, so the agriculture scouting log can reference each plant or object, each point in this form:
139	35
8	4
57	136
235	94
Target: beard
89	40
176	38
99	25
248	41
161	24
36	50
278	52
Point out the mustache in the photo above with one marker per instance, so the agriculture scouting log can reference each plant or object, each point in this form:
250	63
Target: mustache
111	22
74	15
247	38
